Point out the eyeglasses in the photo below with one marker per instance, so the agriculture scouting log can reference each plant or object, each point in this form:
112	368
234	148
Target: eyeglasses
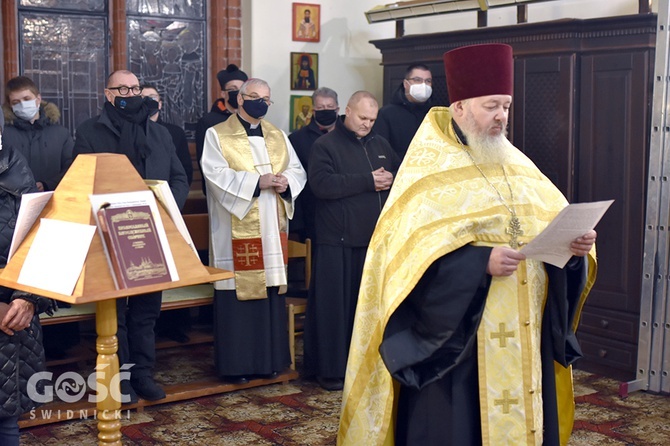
419	80
255	97
123	90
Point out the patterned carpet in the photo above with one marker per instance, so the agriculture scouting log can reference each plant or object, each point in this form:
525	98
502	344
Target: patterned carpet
301	413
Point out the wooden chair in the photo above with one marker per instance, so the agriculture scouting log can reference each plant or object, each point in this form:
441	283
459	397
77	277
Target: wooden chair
297	306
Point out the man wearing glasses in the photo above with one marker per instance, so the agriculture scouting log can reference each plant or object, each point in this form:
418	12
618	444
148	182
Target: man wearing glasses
253	177
124	127
399	120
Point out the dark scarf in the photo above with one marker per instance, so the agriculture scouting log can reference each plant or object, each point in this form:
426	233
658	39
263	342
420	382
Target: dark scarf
132	126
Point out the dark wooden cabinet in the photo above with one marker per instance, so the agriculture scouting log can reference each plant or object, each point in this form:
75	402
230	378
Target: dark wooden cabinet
581	112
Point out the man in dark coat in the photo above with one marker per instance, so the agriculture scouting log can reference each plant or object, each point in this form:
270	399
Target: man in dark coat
230	80
33	129
124	127
21	352
177	133
325	110
399	120
350	172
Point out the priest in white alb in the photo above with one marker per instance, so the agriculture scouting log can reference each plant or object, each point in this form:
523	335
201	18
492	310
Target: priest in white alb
253	177
459	339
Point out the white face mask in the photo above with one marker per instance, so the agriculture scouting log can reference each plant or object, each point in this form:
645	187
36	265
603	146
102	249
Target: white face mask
26	110
420	92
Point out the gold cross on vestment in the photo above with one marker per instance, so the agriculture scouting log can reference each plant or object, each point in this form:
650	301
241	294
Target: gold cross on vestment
247	254
514	229
506	402
502	335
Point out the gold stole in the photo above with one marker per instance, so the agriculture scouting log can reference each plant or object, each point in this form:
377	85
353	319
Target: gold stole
248	261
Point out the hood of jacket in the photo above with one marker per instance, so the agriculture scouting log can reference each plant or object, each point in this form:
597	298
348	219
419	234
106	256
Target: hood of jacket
48	109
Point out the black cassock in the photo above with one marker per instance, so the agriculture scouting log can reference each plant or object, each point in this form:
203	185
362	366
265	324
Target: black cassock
251	336
430	347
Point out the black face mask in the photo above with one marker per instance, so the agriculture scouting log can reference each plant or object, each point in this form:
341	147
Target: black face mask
256	108
325	117
130	104
232	98
152	106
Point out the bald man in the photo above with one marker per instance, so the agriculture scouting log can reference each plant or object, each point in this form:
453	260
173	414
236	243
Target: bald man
350	172
124	127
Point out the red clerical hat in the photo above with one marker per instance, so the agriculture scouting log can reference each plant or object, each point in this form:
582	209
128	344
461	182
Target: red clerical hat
479	70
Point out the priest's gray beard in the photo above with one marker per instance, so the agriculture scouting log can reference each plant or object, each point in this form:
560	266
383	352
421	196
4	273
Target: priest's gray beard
485	148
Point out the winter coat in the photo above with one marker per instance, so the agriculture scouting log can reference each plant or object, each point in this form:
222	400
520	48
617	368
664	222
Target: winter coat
340	176
46	145
22	354
98	135
399	120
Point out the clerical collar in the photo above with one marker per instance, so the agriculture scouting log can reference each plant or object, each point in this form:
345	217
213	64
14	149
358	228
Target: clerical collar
459	132
251	129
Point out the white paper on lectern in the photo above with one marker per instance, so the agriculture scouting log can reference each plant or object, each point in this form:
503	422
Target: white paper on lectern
31	208
57	255
553	244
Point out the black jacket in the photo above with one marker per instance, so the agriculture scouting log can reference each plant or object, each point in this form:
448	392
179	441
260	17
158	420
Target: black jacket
98	135
46	145
216	115
399	120
181	145
340	176
303	218
22	354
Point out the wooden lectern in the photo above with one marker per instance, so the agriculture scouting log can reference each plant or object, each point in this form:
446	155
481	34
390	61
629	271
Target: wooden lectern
102	174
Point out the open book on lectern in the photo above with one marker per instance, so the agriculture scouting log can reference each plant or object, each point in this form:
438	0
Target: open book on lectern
134	238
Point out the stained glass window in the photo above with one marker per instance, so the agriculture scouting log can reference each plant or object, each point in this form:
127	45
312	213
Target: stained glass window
185	9
66	56
167	48
79	5
170	54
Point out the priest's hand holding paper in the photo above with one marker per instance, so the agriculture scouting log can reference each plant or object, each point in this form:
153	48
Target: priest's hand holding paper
582	245
503	261
16	316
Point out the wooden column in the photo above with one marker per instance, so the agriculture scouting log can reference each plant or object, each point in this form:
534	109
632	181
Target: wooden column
119	35
225	25
107	367
10	38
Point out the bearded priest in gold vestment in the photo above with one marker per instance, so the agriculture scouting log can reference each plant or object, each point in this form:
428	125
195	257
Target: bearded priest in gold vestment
459	339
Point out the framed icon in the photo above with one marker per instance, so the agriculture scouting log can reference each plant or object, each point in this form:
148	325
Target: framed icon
301	112
304	71
306	22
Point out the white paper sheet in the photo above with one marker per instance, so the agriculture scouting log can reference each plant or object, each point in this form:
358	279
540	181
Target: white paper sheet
31	208
553	244
57	255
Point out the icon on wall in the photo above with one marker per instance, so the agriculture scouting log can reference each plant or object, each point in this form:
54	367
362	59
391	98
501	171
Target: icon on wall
306	22
301	112
304	71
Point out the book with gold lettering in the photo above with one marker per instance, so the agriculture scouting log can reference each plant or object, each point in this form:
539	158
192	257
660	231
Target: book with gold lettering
134	239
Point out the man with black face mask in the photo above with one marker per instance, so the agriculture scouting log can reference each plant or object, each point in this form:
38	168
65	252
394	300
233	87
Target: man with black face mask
230	80
325	111
124	127
253	177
